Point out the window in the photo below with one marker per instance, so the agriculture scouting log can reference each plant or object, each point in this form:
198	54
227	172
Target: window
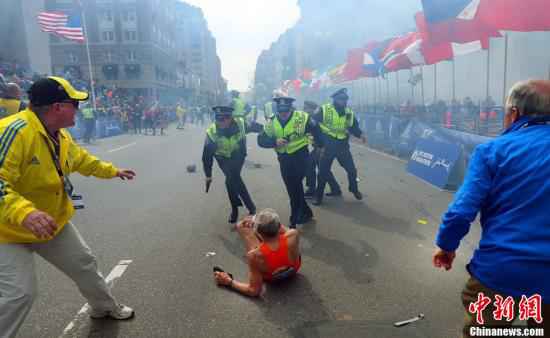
108	57
130	35
108	36
132	56
129	16
72	57
107	15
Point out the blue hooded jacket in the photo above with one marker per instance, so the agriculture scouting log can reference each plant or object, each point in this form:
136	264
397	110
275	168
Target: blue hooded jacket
508	181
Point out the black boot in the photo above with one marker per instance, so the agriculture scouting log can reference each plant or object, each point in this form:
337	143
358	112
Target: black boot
234	215
358	195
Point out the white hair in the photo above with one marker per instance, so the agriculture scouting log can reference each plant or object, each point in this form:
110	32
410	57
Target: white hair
530	97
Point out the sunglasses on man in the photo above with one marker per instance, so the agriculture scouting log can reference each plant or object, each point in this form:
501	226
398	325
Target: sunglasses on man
75	103
222	118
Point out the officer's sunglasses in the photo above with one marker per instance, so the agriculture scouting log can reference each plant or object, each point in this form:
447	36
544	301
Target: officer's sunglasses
222	118
75	103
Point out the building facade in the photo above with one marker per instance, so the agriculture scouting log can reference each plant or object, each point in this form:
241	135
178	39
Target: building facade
199	67
21	40
136	46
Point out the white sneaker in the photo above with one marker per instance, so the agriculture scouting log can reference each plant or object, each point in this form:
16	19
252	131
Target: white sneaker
121	312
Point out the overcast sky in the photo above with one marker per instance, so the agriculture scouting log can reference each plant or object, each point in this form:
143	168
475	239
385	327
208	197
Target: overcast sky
243	28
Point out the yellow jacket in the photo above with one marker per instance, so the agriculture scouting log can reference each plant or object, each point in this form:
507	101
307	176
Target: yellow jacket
29	179
11	106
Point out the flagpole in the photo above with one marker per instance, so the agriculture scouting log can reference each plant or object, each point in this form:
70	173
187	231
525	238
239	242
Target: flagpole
388	90
505	64
488	71
397	87
86	40
375	94
454	79
422	88
412	86
435	82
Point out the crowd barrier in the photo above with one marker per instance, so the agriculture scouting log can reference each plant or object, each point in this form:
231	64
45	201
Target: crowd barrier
408	137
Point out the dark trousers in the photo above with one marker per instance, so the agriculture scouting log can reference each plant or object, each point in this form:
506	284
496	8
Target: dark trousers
236	189
89	126
342	153
137	124
293	171
311	175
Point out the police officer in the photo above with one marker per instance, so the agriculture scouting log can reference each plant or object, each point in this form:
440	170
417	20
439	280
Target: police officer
287	134
337	121
240	108
313	163
89	122
226	142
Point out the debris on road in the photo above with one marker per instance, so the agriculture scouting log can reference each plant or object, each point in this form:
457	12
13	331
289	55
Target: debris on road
409	321
210	254
191	168
422	221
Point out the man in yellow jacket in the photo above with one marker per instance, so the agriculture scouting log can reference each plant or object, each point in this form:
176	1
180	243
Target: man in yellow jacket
11	102
36	157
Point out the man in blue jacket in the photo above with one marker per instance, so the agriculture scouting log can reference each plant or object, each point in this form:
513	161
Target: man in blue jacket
508	182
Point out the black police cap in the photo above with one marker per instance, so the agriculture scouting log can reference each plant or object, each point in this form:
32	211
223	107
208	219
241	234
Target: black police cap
223	110
342	93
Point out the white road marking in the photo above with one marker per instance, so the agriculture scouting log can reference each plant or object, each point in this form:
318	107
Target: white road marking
115	274
121	148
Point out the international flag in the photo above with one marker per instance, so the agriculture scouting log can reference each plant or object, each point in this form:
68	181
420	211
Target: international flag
515	15
396	55
68	26
469	20
354	65
411	50
372	58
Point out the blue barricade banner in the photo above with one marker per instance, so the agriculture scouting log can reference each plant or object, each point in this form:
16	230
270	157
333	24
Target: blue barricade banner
434	162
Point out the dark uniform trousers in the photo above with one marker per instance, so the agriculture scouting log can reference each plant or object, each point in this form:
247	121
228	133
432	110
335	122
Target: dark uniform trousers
311	175
339	150
293	170
236	189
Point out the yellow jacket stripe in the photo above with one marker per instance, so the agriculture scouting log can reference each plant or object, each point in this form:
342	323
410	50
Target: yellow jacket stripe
7	138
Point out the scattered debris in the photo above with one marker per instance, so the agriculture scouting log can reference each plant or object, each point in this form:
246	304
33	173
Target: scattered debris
257	165
191	168
409	321
210	254
422	221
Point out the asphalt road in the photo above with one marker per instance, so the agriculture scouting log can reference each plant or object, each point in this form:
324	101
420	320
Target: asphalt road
366	264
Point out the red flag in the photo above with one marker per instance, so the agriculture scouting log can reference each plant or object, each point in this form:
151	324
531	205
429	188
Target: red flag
395	57
354	66
515	15
454	30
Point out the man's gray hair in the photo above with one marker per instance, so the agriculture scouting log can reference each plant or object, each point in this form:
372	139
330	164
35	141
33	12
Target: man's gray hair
267	223
530	97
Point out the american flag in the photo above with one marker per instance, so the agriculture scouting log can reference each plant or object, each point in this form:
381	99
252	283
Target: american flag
62	24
